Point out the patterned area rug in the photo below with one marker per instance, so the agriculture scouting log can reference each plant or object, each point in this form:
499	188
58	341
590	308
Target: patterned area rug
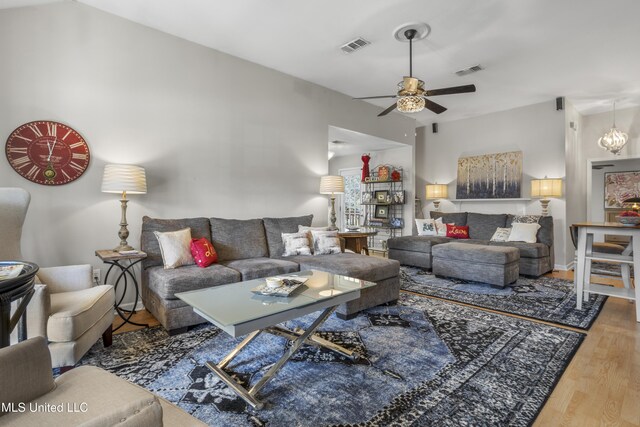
424	362
607	269
544	298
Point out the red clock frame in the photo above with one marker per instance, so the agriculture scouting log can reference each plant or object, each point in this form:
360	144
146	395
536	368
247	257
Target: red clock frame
47	153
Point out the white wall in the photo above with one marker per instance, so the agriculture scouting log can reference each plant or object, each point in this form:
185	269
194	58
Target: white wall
218	136
536	130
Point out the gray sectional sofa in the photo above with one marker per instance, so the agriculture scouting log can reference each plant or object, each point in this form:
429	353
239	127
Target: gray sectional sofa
249	249
536	259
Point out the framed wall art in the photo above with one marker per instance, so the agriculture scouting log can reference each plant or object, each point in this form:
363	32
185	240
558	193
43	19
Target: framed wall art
619	186
490	176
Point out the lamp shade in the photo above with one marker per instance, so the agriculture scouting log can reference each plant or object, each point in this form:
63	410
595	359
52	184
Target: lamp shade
332	184
436	191
121	178
547	187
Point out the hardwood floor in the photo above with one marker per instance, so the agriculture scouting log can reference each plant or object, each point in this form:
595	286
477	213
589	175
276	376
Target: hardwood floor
601	386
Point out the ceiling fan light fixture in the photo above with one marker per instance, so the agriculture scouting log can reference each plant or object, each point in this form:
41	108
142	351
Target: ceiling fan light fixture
410	104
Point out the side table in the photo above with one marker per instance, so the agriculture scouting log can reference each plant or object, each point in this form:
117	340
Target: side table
15	288
123	263
356	240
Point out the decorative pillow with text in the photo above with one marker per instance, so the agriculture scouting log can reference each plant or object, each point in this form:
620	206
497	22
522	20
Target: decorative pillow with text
203	252
458	231
501	235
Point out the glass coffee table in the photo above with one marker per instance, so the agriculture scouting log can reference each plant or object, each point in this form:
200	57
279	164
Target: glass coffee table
238	311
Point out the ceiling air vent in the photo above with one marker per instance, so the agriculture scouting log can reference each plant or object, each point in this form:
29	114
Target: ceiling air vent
469	70
354	45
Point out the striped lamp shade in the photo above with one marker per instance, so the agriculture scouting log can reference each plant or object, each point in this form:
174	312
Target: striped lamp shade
436	191
124	178
331	184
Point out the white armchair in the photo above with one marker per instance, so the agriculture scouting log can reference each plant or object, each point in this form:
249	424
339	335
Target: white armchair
66	308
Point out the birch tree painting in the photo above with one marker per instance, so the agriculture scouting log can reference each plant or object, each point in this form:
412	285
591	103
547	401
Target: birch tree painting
490	176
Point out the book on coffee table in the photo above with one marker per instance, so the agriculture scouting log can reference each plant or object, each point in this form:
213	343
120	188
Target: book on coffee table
289	284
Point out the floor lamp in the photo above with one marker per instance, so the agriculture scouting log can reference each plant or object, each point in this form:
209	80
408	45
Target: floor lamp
332	184
123	179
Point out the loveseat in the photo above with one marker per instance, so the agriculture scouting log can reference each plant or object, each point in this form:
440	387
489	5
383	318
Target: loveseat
536	258
249	249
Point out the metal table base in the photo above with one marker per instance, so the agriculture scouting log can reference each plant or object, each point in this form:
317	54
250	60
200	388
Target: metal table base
297	338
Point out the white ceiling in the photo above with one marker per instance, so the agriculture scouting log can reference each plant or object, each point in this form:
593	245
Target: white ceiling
532	50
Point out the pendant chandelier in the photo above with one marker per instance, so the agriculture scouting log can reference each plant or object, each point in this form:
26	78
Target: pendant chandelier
614	139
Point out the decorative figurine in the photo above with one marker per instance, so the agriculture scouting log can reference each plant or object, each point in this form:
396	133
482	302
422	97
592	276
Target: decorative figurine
365	167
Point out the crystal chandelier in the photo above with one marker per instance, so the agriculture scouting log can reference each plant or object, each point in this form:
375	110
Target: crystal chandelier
410	104
614	139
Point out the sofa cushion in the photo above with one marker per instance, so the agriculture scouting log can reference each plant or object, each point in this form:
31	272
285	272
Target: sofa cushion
457	218
255	268
484	254
416	243
482	226
166	283
527	250
359	266
274	227
238	238
74	313
149	243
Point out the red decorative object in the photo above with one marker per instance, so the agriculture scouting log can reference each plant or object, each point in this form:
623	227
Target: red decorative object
458	231
629	213
203	252
48	153
365	167
395	175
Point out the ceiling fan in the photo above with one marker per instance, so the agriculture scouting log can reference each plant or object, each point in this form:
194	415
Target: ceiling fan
412	96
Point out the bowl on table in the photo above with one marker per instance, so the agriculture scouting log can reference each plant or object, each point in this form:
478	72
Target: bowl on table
628	220
273	282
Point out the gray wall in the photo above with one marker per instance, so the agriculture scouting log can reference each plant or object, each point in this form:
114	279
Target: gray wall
537	130
218	136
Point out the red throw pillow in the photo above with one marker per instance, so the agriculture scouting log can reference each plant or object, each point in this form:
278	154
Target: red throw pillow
203	252
458	231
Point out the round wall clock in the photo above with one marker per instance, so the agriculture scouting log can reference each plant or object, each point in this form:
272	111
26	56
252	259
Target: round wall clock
47	153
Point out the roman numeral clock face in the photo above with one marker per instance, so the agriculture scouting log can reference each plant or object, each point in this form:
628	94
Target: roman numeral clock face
47	153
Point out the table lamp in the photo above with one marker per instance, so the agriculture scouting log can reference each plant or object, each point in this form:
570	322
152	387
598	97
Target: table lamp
436	192
544	189
123	179
332	184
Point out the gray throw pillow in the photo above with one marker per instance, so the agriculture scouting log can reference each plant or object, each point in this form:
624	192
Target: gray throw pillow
325	242
296	244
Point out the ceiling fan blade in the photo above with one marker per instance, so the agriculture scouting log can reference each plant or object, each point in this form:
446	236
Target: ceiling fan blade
436	108
451	90
377	97
388	110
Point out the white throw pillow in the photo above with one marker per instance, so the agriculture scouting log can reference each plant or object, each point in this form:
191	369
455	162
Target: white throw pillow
442	227
521	232
296	244
426	227
501	235
325	242
175	247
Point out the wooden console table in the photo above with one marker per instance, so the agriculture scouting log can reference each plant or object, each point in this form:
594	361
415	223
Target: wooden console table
357	240
630	256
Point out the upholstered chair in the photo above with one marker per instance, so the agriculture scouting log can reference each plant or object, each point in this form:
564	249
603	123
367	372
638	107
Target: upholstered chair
66	308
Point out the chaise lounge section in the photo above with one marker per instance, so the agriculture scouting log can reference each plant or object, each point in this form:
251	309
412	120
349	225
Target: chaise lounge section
249	249
535	260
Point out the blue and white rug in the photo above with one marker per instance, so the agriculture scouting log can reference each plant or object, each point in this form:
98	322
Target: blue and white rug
544	298
425	362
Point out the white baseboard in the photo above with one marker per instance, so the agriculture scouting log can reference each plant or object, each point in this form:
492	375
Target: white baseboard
561	267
